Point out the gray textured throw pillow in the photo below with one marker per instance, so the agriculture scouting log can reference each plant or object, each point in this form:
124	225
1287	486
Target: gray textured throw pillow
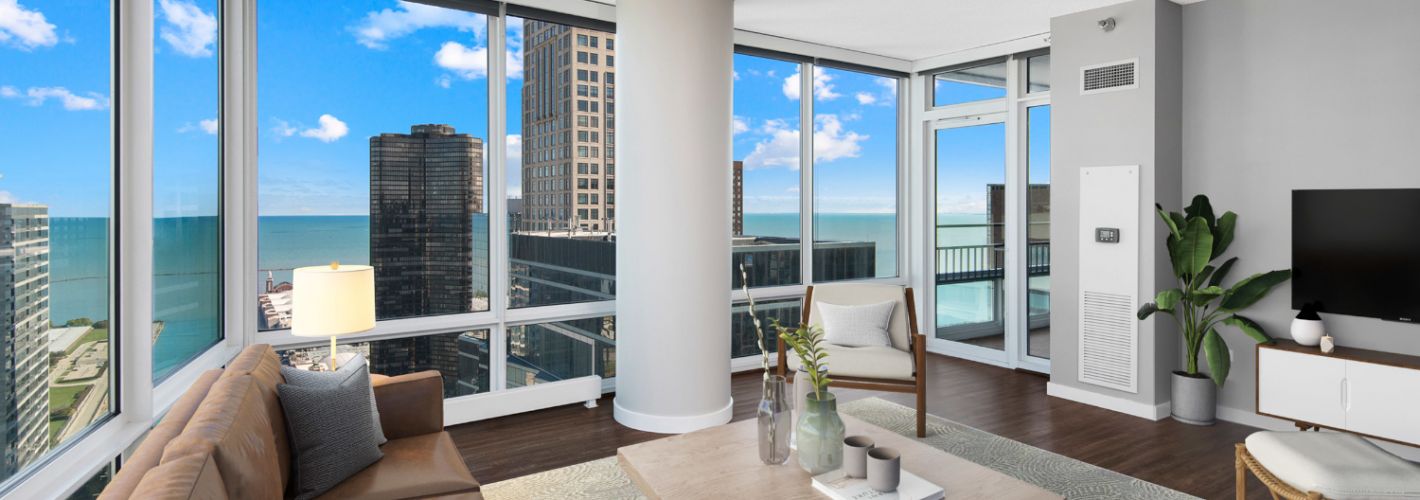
856	325
330	431
307	378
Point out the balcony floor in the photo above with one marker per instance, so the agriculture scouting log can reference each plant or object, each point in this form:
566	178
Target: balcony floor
1195	460
1039	342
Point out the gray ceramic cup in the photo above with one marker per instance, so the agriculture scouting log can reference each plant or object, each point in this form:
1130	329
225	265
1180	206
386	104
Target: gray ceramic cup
855	456
884	469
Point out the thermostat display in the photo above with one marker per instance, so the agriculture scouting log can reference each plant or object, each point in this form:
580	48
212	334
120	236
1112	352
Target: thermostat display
1107	234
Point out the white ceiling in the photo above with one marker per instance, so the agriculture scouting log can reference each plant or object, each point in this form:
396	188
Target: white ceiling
905	29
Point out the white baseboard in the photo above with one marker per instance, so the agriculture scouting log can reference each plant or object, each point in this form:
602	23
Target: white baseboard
671	424
1127	407
523	399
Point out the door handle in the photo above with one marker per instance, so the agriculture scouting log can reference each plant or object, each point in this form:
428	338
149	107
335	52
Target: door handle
1346	394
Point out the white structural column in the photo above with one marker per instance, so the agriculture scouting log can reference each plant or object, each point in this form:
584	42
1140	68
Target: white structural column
673	69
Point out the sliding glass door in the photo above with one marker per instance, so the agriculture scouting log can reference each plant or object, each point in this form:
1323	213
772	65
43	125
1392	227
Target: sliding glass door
971	244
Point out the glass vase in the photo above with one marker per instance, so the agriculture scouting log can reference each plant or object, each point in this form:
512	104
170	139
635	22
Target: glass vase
775	421
820	434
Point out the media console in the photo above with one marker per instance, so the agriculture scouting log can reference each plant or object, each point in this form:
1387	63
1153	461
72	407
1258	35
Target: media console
1371	393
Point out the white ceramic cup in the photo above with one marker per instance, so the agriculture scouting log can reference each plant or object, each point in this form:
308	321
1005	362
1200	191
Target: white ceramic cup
884	469
855	456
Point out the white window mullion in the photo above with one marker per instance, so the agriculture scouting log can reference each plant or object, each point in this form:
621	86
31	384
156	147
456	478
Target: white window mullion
132	299
497	204
806	173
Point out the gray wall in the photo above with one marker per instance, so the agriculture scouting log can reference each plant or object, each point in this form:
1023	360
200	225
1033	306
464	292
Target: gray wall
1282	95
1133	127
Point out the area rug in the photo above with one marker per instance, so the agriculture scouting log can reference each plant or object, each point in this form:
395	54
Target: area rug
1073	479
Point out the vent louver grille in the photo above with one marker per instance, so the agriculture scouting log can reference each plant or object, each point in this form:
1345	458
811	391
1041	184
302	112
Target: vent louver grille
1109	77
1107	340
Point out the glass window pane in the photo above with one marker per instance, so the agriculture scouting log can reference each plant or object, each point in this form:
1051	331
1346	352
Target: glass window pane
1038	230
460	358
55	219
91	489
765	193
743	341
977	83
1038	74
549	352
385	170
186	182
562	221
970	234
855	175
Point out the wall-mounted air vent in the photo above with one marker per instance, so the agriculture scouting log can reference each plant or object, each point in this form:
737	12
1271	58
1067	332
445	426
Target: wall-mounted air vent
1109	77
1109	277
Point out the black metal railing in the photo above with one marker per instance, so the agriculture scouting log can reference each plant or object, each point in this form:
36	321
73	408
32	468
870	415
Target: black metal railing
968	263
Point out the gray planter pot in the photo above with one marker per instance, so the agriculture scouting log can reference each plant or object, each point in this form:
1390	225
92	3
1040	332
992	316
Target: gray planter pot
1195	399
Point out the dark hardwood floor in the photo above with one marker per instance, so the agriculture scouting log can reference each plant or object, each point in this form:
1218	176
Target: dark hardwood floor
1195	460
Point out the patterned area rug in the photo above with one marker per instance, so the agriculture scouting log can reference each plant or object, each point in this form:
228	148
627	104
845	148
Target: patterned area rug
1070	478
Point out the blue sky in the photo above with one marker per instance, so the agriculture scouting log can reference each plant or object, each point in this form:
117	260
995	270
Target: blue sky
333	74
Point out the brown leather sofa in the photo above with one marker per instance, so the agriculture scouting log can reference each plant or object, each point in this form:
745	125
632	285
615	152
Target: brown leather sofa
226	438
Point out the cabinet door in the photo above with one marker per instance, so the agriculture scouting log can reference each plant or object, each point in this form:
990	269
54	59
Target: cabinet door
1302	387
1383	401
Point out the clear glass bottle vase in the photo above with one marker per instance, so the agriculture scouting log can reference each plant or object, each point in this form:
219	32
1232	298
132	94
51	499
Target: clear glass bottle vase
775	422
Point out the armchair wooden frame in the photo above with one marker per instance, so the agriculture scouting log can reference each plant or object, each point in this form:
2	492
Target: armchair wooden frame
916	342
1245	462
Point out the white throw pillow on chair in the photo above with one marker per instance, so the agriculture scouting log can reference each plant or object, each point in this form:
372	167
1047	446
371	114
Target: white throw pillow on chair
856	326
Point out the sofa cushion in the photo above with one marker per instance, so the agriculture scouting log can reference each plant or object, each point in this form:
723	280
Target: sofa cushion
413	467
232	426
262	363
1337	465
864	362
332	432
189	476
150	451
308	378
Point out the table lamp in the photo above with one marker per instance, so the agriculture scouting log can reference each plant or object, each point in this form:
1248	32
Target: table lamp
330	301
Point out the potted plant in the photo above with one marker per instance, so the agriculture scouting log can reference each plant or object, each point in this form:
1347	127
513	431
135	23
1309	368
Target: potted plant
819	432
1201	304
773	410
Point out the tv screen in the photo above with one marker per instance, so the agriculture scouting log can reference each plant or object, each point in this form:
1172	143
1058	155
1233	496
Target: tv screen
1357	252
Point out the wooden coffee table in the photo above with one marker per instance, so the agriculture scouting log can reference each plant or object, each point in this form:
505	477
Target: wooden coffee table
723	462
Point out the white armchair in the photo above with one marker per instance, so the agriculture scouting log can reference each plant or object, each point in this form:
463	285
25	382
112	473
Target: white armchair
898	368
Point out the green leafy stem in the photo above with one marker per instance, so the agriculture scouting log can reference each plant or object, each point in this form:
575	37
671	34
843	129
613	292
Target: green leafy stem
807	342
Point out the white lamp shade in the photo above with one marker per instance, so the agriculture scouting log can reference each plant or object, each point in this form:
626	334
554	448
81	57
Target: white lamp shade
328	301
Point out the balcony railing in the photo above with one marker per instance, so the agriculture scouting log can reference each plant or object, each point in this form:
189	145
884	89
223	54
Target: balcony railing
968	263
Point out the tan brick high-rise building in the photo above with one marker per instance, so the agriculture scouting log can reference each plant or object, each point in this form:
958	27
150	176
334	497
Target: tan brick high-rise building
569	128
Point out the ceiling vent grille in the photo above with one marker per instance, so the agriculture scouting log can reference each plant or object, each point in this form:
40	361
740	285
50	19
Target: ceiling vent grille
1109	77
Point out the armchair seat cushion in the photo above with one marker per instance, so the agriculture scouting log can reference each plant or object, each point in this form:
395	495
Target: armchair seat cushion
865	362
413	467
1337	465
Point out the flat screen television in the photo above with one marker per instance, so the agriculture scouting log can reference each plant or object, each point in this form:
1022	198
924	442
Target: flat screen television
1357	252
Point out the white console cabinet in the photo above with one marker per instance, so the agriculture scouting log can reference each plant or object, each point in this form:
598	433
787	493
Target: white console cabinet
1371	393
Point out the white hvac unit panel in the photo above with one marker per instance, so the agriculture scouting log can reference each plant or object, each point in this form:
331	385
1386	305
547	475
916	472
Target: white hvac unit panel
1109	277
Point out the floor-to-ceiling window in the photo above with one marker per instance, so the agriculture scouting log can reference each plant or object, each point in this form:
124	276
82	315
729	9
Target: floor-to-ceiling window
187	254
56	226
989	138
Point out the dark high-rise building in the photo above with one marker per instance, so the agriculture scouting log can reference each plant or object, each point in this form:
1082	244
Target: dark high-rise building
24	335
425	187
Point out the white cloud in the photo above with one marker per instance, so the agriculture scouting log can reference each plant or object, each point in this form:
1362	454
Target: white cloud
823	89
380	27
443	81
888	84
780	145
36	96
831	142
740	125
466	62
208	126
330	129
284	129
24	28
515	152
188	29
515	48
865	98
